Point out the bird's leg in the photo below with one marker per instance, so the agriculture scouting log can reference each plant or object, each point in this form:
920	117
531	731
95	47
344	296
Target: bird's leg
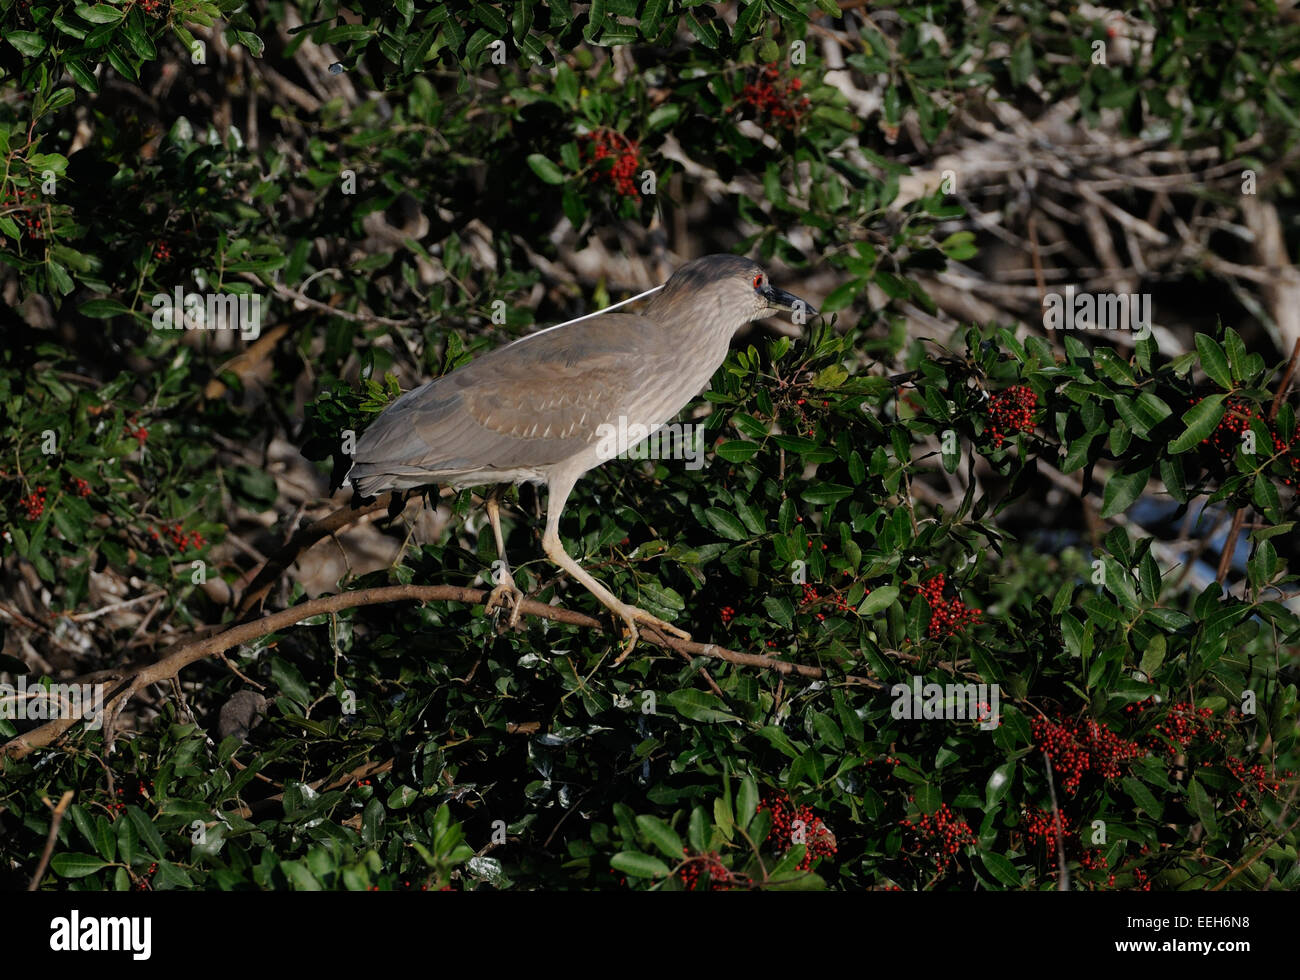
505	581
631	615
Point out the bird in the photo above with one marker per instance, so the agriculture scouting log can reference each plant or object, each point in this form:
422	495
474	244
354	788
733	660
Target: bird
533	410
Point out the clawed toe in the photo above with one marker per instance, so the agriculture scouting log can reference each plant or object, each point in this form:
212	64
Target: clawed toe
507	595
631	615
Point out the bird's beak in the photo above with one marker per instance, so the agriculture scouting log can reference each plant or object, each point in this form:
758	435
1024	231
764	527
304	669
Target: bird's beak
779	299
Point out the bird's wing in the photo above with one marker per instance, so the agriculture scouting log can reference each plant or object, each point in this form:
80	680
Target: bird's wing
529	404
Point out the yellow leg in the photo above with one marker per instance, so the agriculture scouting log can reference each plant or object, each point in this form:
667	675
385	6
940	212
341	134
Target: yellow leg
630	615
506	592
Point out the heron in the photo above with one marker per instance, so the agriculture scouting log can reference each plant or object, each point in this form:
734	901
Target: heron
533	410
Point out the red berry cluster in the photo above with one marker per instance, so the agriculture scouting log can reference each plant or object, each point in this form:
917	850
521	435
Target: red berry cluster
708	865
727	614
142	884
1141	880
805	426
1183	723
947	616
1081	745
771	100
183	540
138	794
1093	860
162	251
26	212
611	144
1237	418
139	433
152	7
941	834
793	825
81	487
1253	778
811	597
1011	411
1040	827
33	503
1290	453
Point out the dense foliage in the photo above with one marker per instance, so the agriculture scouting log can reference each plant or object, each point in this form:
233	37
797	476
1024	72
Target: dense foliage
404	185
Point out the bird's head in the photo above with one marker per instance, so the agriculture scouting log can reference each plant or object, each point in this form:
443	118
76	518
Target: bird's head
736	288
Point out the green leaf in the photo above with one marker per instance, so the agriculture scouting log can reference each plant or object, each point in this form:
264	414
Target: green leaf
101	13
76	865
1021	64
1121	490
83	76
998	785
826	493
1169	619
1264	495
544	169
595	20
928	797
1074	634
841	296
746	20
491	18
698	831
1149	577
726	523
746	802
959	246
1214	362
1001	868
1143	797
147	831
640	865
1236	349
64	96
1203	806
136	35
661	835
699	706
663	116
737	450
29	45
1201	419
1154	655
881	598
702	28
723	817
102	309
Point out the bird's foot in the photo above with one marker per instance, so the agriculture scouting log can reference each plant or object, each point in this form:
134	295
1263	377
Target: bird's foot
507	595
631	615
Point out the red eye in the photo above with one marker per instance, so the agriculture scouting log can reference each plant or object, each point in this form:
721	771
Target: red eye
758	281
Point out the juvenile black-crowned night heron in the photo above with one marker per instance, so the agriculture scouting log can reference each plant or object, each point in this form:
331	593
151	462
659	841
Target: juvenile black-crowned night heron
536	408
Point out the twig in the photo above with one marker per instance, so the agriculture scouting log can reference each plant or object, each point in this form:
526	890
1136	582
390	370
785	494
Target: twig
301	540
105	610
284	292
55	820
1063	879
198	648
